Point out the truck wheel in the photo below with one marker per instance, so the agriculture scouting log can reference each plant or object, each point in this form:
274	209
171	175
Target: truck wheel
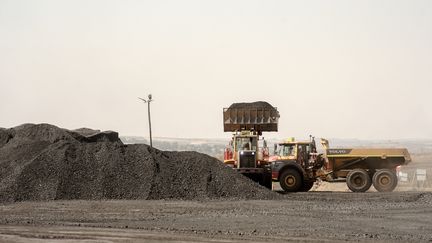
290	180
358	180
266	181
307	185
385	180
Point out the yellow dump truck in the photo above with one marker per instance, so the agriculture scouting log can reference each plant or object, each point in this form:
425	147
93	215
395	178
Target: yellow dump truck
296	165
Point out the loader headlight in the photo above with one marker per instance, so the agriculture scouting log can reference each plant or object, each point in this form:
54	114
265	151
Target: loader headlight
241	152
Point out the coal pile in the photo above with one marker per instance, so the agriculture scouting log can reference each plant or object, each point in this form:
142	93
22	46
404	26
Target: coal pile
253	105
44	162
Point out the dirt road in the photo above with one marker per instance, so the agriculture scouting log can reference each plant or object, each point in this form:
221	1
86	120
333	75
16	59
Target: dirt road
312	216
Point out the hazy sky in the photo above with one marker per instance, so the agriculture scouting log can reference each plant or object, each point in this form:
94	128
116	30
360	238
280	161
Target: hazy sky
347	69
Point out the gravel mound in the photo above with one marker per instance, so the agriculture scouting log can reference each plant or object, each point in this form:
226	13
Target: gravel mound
86	131
44	162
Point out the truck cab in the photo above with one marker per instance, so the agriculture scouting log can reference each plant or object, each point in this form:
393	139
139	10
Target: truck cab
294	150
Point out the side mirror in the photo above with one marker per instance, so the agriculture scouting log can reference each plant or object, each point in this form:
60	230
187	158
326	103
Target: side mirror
265	144
275	149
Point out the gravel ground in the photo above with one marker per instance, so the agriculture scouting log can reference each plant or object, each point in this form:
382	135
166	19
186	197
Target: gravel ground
304	217
58	185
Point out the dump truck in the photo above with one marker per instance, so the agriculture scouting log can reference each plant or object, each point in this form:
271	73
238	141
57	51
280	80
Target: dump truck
296	165
247	152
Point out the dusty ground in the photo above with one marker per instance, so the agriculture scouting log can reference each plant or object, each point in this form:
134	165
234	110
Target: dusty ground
312	216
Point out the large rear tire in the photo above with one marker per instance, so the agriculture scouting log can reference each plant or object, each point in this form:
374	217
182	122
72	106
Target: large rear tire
358	180
385	180
290	180
306	186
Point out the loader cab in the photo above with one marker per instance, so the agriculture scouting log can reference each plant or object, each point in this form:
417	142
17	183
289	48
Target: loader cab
242	142
249	143
246	150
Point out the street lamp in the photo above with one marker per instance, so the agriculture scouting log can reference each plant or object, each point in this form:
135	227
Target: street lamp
148	109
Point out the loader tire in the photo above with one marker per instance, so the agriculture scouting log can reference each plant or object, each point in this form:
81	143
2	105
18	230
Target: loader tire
266	181
291	180
358	180
306	186
385	180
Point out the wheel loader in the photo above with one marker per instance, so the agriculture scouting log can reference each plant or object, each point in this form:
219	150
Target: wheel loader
247	152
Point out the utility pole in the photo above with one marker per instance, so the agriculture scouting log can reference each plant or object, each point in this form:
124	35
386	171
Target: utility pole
149	119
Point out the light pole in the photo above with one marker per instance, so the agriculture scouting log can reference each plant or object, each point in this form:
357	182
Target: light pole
148	109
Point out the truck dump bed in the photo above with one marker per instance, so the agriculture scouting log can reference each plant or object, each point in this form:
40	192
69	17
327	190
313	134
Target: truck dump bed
369	158
258	116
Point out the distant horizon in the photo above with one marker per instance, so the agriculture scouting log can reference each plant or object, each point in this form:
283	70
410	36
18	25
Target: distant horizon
228	135
280	138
